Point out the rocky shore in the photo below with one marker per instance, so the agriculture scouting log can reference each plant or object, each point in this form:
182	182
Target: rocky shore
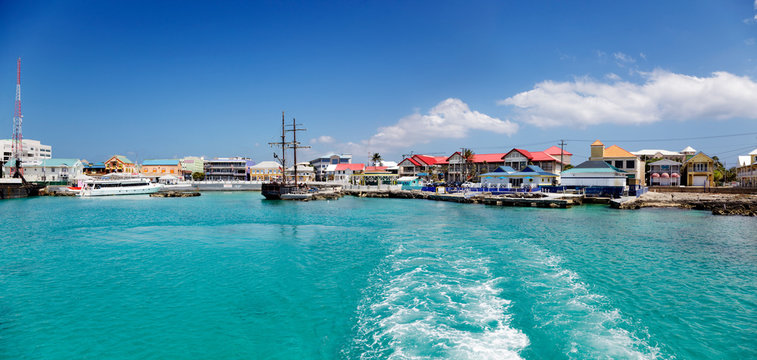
718	204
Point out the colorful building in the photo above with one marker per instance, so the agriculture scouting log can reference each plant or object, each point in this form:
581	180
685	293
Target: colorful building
155	169
664	173
459	167
343	172
191	165
530	176
621	159
120	164
699	170
227	169
265	171
94	168
422	165
321	164
593	173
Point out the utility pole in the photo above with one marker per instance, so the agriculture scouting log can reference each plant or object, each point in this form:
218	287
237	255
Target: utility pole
562	150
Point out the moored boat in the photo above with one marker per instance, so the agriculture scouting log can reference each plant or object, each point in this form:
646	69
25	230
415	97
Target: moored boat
118	186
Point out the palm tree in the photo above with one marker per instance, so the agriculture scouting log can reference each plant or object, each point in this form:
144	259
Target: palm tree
467	154
376	159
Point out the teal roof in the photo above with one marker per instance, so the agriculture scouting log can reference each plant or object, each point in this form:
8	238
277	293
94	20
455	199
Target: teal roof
59	162
164	162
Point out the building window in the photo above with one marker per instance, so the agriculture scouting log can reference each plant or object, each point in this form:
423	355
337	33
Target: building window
619	164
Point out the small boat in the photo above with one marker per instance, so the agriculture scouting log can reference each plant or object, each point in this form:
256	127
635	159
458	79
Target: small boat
118	186
296	196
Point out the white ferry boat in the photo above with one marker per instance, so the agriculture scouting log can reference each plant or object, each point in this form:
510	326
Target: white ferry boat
115	186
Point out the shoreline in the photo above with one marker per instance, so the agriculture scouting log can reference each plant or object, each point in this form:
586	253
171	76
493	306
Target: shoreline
718	204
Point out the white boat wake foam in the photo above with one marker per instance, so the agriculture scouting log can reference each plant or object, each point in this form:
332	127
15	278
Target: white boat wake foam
430	305
565	307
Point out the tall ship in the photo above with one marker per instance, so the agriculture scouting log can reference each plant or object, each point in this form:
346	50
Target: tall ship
118	185
284	189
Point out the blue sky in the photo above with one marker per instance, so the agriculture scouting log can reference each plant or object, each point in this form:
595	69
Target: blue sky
165	79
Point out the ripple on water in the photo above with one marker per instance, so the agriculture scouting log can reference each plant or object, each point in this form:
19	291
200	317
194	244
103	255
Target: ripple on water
431	305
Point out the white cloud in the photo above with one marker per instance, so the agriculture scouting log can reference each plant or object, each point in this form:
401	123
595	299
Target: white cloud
325	139
643	56
663	96
449	119
623	57
613	77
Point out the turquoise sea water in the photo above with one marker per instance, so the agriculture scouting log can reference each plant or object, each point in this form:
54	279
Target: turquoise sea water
230	276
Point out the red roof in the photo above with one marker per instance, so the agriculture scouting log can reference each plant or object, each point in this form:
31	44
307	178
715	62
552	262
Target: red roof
542	156
353	167
554	150
411	160
490	158
479	158
524	152
431	160
376	168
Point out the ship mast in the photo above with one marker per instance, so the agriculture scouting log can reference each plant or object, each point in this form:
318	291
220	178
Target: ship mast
296	145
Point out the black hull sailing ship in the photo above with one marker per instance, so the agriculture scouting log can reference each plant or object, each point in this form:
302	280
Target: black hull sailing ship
284	190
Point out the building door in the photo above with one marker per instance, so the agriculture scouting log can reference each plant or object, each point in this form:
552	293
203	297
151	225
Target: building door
699	180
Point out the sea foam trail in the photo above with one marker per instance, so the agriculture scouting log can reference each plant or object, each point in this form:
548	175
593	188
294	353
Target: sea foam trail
565	307
435	305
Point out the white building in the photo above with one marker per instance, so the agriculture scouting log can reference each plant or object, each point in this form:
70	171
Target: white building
51	170
33	150
321	164
593	173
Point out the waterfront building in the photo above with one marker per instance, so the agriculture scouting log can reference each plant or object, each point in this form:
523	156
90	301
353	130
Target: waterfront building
621	159
422	165
305	173
321	164
155	169
33	150
699	170
529	176
265	171
458	167
191	165
227	169
664	173
559	154
649	154
519	159
120	164
688	152
593	173
55	171
94	168
343	172
374	175
746	173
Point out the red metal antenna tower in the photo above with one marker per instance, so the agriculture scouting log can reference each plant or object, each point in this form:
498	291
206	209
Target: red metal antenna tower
17	148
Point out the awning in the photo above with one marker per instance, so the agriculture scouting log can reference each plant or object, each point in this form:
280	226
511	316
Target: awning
675	175
655	175
422	174
665	175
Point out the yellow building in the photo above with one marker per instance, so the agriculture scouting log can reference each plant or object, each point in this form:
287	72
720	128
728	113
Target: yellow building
265	171
120	164
620	158
699	170
157	168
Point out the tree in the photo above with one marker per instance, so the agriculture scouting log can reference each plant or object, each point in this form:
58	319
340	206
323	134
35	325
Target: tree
467	154
376	159
198	176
